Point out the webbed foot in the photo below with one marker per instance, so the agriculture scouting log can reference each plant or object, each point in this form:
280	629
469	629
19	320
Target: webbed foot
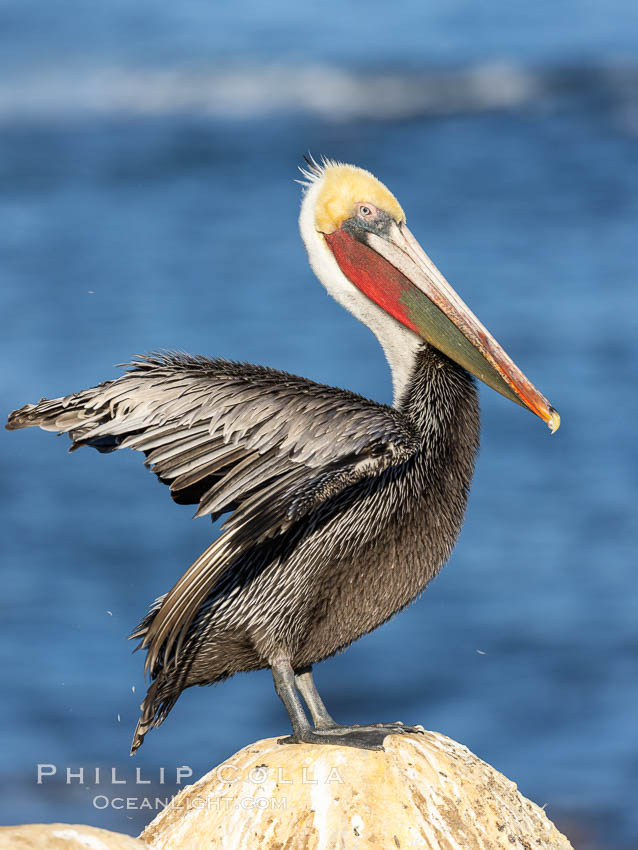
365	737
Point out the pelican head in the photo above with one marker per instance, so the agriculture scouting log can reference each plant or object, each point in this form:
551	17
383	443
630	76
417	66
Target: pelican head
362	251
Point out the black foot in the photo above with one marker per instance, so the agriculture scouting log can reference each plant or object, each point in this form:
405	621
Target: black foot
396	727
368	737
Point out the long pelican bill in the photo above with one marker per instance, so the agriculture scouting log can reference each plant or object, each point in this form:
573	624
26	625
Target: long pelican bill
389	266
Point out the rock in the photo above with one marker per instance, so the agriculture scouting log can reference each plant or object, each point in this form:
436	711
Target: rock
424	791
65	836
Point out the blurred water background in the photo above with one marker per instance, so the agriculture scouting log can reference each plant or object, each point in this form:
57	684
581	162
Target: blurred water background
147	159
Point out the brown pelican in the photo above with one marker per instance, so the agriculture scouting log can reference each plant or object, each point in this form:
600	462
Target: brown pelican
341	509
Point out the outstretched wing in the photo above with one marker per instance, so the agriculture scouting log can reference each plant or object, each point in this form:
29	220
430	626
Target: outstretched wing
265	445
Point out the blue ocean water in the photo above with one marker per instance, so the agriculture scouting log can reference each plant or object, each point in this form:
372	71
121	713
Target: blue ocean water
147	165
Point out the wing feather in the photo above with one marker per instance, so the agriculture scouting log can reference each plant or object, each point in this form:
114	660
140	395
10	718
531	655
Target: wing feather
267	446
214	465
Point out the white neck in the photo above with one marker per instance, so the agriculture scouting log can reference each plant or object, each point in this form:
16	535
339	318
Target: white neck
399	343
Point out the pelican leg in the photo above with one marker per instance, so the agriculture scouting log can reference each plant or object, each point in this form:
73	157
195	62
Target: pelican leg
369	737
306	687
324	721
284	678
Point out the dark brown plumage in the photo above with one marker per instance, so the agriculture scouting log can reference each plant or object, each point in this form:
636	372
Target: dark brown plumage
342	509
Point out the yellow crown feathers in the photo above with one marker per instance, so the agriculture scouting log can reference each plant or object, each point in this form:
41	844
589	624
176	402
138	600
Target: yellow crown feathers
344	186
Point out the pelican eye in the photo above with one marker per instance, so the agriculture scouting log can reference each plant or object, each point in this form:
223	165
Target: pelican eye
366	211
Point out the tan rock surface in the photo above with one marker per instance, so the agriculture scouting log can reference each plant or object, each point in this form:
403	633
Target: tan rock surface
425	791
64	836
